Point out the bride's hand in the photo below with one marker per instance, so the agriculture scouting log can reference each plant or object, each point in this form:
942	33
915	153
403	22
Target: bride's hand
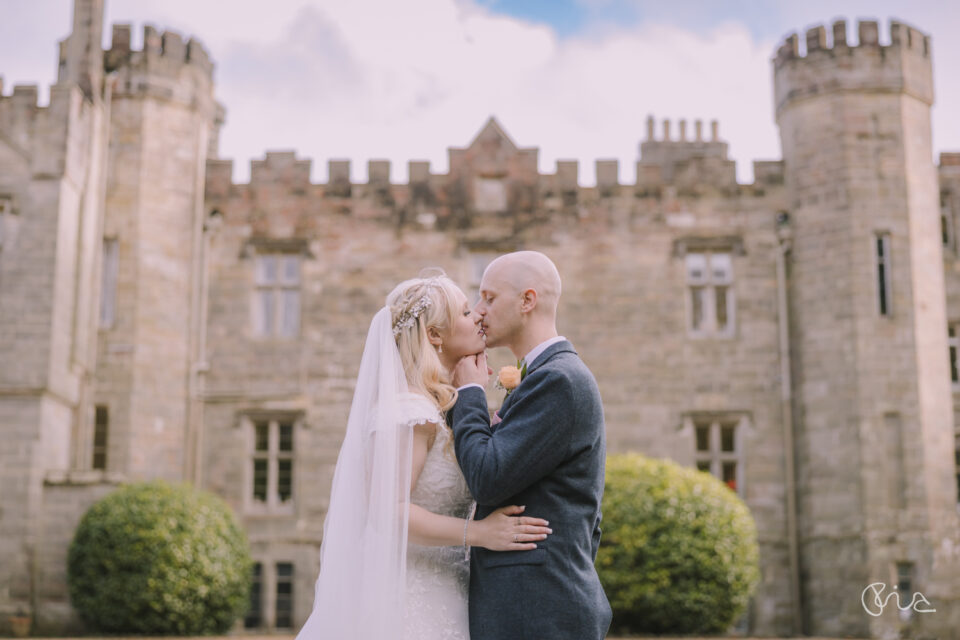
506	530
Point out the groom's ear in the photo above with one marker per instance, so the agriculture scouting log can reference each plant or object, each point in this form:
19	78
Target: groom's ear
528	300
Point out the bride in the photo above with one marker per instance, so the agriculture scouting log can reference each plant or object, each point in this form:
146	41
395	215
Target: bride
394	557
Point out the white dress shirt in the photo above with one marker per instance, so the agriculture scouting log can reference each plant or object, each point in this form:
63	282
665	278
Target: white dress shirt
532	355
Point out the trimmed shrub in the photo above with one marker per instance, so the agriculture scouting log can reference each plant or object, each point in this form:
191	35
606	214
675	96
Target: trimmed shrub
159	559
679	551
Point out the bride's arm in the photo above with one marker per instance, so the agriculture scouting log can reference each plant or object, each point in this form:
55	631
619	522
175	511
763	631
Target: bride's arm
496	532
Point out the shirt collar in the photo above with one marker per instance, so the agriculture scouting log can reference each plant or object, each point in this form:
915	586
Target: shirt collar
540	348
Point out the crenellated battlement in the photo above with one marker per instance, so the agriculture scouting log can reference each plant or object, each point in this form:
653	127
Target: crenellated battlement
868	36
167	67
825	61
161	52
18	115
23	95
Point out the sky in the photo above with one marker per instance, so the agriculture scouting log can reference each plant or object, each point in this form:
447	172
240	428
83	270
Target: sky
382	79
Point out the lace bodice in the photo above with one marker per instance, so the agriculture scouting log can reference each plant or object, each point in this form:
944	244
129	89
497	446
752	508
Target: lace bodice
441	487
438	577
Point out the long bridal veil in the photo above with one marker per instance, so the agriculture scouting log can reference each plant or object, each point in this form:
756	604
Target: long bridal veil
360	590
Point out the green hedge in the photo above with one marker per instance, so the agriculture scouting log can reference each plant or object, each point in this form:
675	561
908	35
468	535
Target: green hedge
679	549
159	559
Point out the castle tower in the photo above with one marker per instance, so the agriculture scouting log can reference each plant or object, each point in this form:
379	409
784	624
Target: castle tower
873	401
163	121
51	218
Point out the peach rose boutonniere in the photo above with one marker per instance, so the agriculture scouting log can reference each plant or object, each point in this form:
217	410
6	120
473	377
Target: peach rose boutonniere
509	377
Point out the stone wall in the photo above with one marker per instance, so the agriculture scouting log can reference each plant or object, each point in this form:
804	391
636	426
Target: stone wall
185	376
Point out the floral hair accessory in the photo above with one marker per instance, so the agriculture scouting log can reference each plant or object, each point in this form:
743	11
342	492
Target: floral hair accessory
409	317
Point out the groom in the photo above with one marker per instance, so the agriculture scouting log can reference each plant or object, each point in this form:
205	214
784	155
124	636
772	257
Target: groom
547	453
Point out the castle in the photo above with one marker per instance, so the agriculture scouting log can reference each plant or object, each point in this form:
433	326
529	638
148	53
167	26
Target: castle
797	337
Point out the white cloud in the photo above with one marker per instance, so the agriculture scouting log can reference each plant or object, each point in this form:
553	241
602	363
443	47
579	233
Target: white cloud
404	81
407	84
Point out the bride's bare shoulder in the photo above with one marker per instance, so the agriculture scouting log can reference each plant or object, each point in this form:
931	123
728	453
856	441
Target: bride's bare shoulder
416	405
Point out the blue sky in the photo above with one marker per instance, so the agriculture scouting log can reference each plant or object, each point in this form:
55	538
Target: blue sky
570	17
371	79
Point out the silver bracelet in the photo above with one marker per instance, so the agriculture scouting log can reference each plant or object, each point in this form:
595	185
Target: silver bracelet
466	523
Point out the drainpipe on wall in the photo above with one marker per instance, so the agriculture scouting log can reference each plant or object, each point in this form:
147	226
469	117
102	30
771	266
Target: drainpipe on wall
784	236
199	289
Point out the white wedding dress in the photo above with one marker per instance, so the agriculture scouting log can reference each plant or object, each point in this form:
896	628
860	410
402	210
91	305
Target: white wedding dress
372	584
438	578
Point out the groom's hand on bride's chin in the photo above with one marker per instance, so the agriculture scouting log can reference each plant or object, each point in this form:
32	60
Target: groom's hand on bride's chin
472	369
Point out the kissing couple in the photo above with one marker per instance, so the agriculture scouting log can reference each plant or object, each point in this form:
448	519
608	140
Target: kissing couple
443	523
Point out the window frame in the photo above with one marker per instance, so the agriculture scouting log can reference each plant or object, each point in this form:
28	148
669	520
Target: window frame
277	287
714	455
710	283
273	505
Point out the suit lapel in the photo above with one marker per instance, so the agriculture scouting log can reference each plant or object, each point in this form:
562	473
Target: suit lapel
549	352
543	358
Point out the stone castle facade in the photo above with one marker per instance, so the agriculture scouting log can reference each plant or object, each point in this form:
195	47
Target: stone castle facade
795	336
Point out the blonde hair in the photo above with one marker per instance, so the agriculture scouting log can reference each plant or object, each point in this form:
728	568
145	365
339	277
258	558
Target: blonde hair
437	299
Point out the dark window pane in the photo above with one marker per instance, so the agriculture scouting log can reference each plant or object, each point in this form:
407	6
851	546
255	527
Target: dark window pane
253	618
730	474
954	375
944	230
703	437
284	595
286	437
956	459
727	437
696	307
285	479
703	465
263	436
883	262
722	307
905	577
260	480
101	425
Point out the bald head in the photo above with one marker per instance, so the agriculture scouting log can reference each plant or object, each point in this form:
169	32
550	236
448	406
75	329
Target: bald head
523	270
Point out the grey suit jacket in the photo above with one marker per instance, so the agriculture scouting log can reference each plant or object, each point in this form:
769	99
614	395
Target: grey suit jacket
548	453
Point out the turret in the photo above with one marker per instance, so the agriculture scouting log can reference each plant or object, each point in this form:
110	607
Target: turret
164	122
873	398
